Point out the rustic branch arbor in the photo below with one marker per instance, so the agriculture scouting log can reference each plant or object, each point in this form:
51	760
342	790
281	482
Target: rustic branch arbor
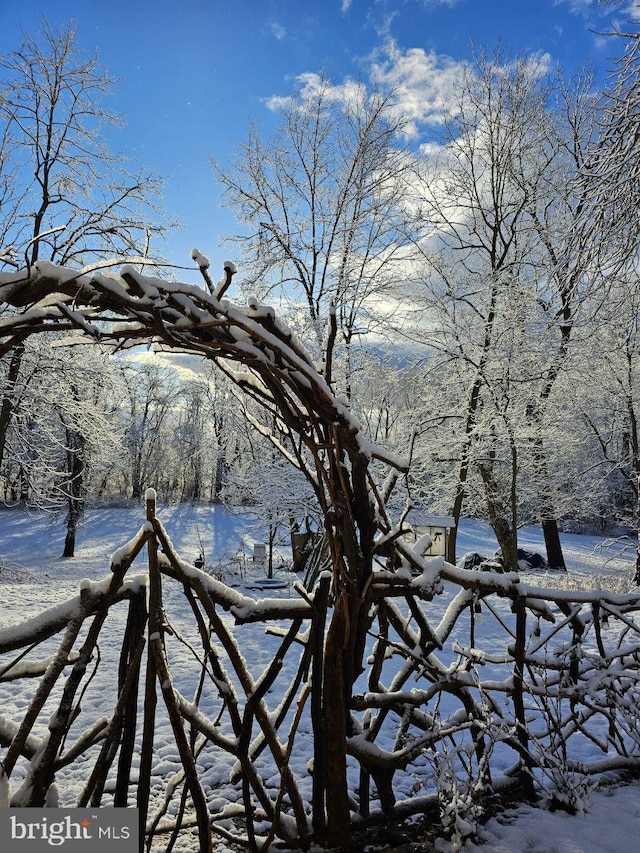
585	686
325	442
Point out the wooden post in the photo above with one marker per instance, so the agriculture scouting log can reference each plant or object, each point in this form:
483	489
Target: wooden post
335	731
129	672
321	599
150	694
526	779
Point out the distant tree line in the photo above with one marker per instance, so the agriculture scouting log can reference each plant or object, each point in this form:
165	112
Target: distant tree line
474	300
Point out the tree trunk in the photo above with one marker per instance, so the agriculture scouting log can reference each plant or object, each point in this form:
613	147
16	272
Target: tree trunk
506	532
552	543
351	527
636	576
220	476
548	519
456	512
470	422
75	494
8	400
70	538
272	537
463	471
546	510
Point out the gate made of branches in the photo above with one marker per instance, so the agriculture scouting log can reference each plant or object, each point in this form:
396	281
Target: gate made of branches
429	733
393	700
116	755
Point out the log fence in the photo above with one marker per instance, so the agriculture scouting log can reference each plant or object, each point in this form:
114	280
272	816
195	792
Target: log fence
566	671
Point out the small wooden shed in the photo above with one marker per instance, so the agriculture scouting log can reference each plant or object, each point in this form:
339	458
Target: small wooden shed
439	528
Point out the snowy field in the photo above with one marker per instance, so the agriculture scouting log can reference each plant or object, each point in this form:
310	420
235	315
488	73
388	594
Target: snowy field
34	578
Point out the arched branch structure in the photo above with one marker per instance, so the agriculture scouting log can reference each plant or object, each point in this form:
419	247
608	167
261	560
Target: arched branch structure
556	677
262	357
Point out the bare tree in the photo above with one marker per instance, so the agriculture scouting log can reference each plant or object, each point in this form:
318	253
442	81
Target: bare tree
569	270
510	266
150	395
74	200
66	196
478	276
62	435
608	403
611	172
323	202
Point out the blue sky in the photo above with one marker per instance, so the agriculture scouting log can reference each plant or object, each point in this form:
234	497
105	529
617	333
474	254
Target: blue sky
193	73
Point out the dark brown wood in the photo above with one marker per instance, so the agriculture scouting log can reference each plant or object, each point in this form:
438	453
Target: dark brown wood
150	692
316	640
328	447
94	788
63	717
522	733
338	815
129	677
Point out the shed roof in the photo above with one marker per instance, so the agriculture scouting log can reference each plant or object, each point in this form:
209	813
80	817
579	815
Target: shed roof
434	520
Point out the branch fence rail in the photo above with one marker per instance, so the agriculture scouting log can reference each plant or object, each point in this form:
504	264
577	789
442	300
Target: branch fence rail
382	699
568	670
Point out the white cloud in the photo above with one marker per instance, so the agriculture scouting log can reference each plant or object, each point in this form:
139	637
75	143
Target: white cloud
311	84
631	10
423	83
346	5
627	8
278	31
578	7
540	64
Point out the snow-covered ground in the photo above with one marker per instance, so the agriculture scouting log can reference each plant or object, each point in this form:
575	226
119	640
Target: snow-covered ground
34	578
612	825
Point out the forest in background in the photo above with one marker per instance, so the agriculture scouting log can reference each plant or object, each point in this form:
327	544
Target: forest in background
474	301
